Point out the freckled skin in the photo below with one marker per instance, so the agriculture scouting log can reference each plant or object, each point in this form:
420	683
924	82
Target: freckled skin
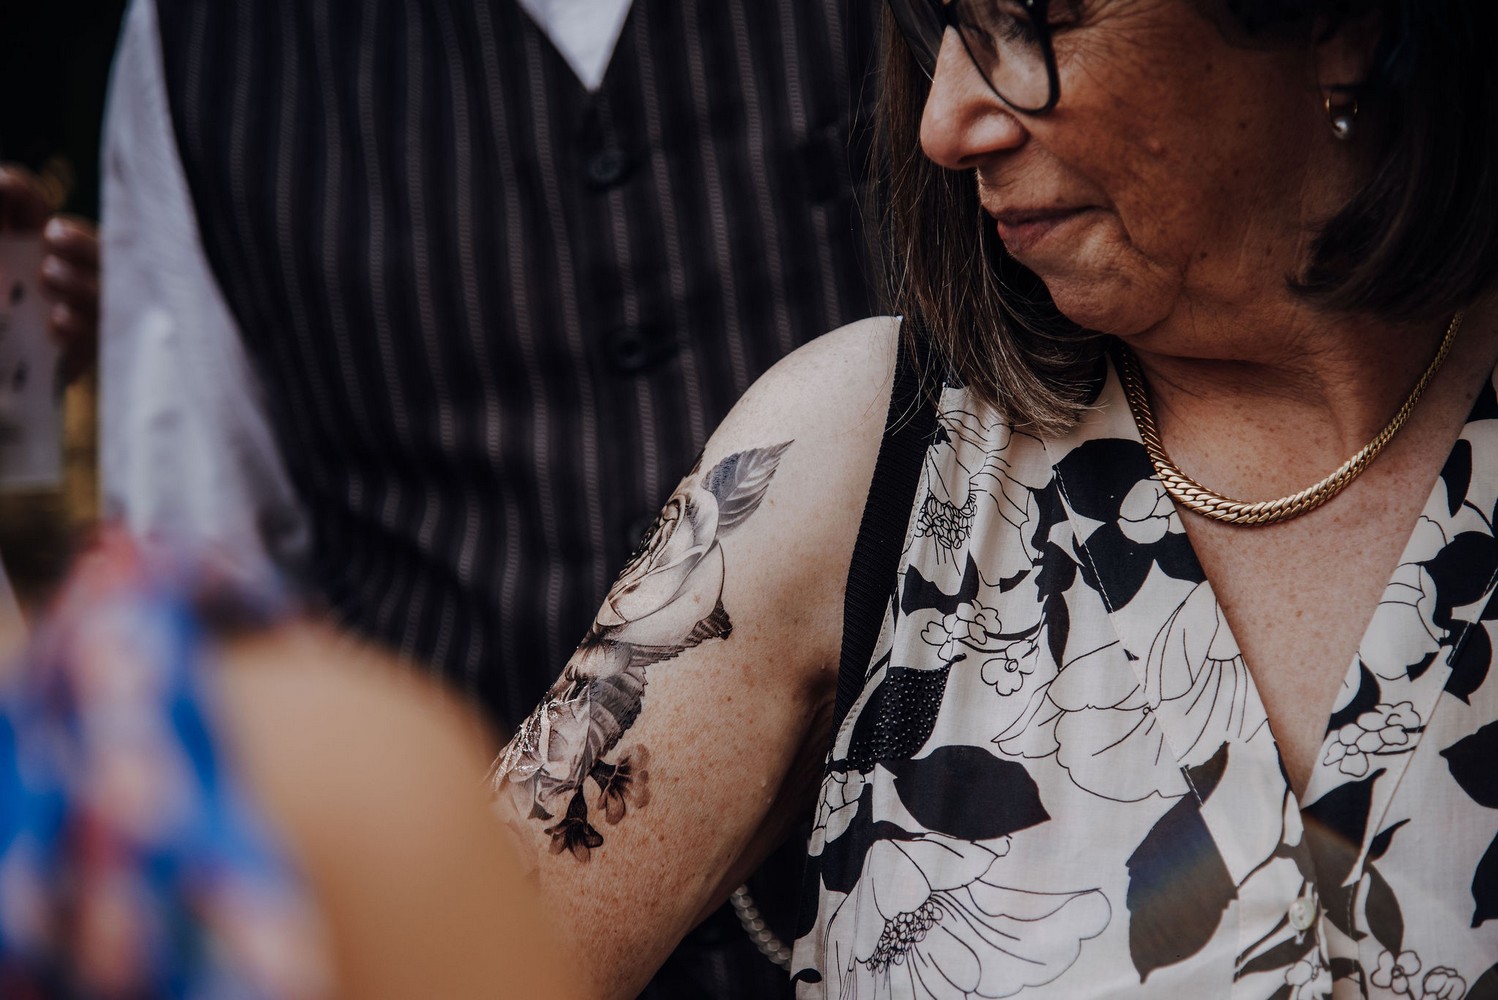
1204	163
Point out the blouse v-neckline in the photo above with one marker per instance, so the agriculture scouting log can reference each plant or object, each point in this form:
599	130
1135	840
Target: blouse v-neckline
1052	770
1411	659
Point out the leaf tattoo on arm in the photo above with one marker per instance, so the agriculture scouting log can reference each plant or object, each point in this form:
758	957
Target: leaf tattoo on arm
557	761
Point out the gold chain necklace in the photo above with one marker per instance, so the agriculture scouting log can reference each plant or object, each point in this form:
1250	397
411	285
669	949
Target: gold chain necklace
1196	497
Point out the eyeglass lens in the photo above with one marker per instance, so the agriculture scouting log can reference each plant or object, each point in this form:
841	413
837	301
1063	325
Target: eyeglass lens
1001	37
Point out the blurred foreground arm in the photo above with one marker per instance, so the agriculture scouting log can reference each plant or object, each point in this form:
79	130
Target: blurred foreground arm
373	776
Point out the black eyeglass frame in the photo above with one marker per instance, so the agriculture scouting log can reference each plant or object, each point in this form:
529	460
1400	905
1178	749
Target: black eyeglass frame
945	12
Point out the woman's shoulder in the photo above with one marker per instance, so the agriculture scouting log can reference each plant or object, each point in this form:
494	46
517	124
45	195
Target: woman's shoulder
839	376
828	399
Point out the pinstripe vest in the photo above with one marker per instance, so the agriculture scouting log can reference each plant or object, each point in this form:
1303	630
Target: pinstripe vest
496	315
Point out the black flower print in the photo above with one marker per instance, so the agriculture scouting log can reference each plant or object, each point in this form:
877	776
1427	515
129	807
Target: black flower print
1471	762
1131	536
1409	609
941	927
1400	976
1105	725
967	471
1302	979
1381	731
948	524
1008	655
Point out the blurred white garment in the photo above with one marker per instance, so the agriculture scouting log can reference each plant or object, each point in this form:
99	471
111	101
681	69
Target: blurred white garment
186	449
12	625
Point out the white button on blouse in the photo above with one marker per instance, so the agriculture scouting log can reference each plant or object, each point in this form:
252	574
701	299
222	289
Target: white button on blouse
1302	914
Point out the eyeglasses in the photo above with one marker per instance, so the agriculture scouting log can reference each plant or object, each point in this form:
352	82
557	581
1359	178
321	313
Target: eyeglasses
1008	40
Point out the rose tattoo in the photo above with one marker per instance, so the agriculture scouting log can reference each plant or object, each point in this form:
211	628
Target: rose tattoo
653	613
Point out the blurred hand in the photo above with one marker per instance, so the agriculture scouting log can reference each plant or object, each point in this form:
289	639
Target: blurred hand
70	265
23	202
70	279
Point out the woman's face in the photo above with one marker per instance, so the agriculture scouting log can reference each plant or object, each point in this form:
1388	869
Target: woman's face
1176	172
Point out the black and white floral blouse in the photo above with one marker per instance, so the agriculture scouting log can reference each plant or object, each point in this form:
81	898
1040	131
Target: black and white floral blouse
1053	776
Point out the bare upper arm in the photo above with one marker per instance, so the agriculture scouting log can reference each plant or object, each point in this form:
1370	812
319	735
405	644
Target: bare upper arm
677	742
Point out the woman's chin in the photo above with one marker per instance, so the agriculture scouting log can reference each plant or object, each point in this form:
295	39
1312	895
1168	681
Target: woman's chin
1104	307
1103	283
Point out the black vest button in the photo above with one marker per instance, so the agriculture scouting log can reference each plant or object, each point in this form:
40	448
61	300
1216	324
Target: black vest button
632	349
607	168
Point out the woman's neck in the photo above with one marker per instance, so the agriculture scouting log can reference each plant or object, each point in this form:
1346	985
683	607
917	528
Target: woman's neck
1272	405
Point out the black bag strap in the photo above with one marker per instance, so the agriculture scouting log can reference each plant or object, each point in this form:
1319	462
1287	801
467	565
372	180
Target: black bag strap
908	432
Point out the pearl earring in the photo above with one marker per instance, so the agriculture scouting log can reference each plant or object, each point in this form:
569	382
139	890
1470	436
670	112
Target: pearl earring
1343	114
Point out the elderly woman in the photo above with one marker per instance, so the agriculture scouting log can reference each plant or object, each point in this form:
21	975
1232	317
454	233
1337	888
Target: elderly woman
1085	724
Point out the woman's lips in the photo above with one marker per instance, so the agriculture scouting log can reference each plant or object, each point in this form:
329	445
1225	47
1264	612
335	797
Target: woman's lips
1022	231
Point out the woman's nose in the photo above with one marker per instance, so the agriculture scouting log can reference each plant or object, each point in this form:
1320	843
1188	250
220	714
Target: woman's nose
964	121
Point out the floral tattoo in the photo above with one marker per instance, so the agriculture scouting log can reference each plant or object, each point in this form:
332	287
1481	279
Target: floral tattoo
653	613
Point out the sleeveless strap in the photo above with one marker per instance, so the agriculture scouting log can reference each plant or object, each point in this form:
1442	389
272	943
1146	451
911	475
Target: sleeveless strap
908	432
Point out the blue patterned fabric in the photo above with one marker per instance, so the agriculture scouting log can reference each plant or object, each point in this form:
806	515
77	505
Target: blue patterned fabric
132	861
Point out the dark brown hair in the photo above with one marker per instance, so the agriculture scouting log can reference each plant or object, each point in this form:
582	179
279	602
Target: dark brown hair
1418	242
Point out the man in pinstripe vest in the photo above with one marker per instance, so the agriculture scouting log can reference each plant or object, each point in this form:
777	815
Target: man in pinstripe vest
430	302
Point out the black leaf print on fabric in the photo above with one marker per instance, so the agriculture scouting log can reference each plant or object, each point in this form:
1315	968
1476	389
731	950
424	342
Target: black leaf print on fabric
1471	667
1050	510
1463	568
1461	572
1472	662
843	859
1334	828
917	593
1486	986
1486	405
968	793
1204	777
1349	968
1335	825
812	882
1457	474
1098	475
1472	763
1282	955
1057	620
1179	885
898	717
1380	844
1385	919
1365	700
1485	886
1057	574
1285	992
739	482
